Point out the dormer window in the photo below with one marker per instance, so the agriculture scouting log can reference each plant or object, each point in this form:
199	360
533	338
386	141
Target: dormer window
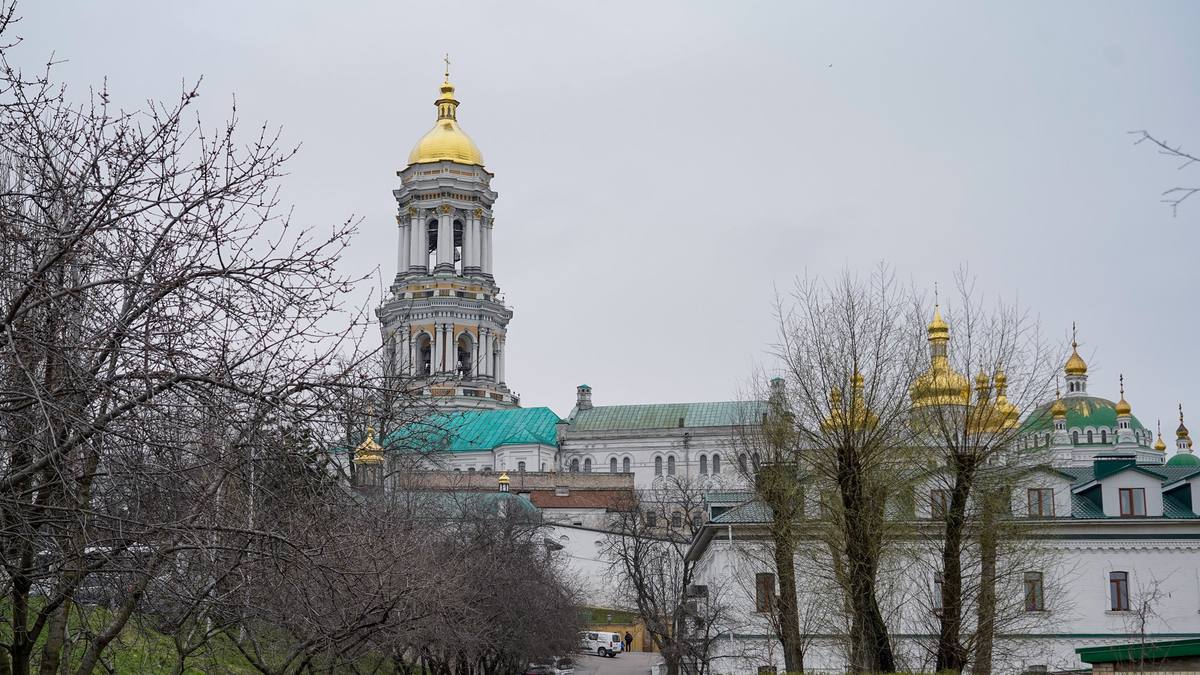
1133	502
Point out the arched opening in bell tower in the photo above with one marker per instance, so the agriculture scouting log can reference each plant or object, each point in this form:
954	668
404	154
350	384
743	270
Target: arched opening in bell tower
463	353
459	238
424	354
431	230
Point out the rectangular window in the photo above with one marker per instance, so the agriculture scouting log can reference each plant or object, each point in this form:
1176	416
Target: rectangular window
1133	502
939	503
1035	599
937	594
764	591
1118	591
677	520
651	519
1041	502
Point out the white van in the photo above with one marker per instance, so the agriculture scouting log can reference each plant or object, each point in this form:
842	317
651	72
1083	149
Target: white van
601	644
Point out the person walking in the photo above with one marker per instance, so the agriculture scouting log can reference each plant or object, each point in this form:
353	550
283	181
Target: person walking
628	641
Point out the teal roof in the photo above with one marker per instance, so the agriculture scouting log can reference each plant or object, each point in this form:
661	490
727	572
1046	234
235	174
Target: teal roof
1082	411
477	430
668	416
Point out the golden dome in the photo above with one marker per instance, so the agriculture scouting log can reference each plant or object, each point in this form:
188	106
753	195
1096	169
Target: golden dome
1123	407
1182	431
940	384
1059	409
1075	364
446	141
368	452
1159	444
938	328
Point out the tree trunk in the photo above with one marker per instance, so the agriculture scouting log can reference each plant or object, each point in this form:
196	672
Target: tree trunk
870	648
951	655
986	612
788	612
56	638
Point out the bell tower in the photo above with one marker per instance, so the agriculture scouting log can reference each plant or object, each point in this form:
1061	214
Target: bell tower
444	324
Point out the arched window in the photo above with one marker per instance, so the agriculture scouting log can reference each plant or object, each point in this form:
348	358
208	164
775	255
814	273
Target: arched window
742	462
463	355
1104	435
575	465
587	465
1089	436
716	464
671	465
521	467
612	465
1075	438
625	465
471	469
432	240
703	465
658	466
423	355
459	258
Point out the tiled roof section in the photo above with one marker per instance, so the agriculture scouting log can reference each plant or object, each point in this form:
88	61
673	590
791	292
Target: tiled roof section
668	416
1082	507
609	500
728	496
1169	474
477	430
753	512
1173	508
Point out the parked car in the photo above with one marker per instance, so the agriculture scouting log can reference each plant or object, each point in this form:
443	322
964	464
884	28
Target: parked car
601	644
554	666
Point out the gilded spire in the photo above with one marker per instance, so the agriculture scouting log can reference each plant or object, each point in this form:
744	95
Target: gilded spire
1123	407
1059	409
446	141
1075	364
1182	431
1159	444
940	384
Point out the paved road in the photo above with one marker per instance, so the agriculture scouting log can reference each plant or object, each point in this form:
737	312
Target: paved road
631	663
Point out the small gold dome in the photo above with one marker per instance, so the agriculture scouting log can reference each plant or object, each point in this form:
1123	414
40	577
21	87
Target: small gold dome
1075	364
1123	407
938	328
446	141
1159	444
1059	409
1182	431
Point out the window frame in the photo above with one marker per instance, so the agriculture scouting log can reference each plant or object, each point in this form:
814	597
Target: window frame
703	465
1136	499
1035	592
1118	591
939	503
716	464
764	597
1041	501
626	465
658	466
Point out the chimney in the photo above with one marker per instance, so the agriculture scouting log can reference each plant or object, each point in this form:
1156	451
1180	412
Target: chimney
583	397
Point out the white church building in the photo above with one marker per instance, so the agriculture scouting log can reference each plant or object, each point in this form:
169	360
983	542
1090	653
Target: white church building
1118	514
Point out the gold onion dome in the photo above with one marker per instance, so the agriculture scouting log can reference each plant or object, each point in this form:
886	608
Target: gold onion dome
1182	431
1159	444
1059	409
1123	407
369	452
940	384
446	141
1009	413
1075	364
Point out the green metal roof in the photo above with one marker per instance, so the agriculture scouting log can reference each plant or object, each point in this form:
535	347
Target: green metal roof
1082	411
1141	651
668	416
1184	460
477	430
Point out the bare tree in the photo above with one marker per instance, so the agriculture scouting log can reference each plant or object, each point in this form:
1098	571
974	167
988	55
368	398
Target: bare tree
648	548
848	353
1174	196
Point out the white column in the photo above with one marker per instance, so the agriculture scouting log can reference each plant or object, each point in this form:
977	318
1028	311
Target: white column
402	254
419	250
445	246
471	243
487	248
485	356
435	349
500	361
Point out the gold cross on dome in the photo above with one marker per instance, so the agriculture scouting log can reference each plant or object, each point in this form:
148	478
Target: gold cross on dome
446	59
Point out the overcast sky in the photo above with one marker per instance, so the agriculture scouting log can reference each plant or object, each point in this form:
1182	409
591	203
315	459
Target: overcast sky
662	166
